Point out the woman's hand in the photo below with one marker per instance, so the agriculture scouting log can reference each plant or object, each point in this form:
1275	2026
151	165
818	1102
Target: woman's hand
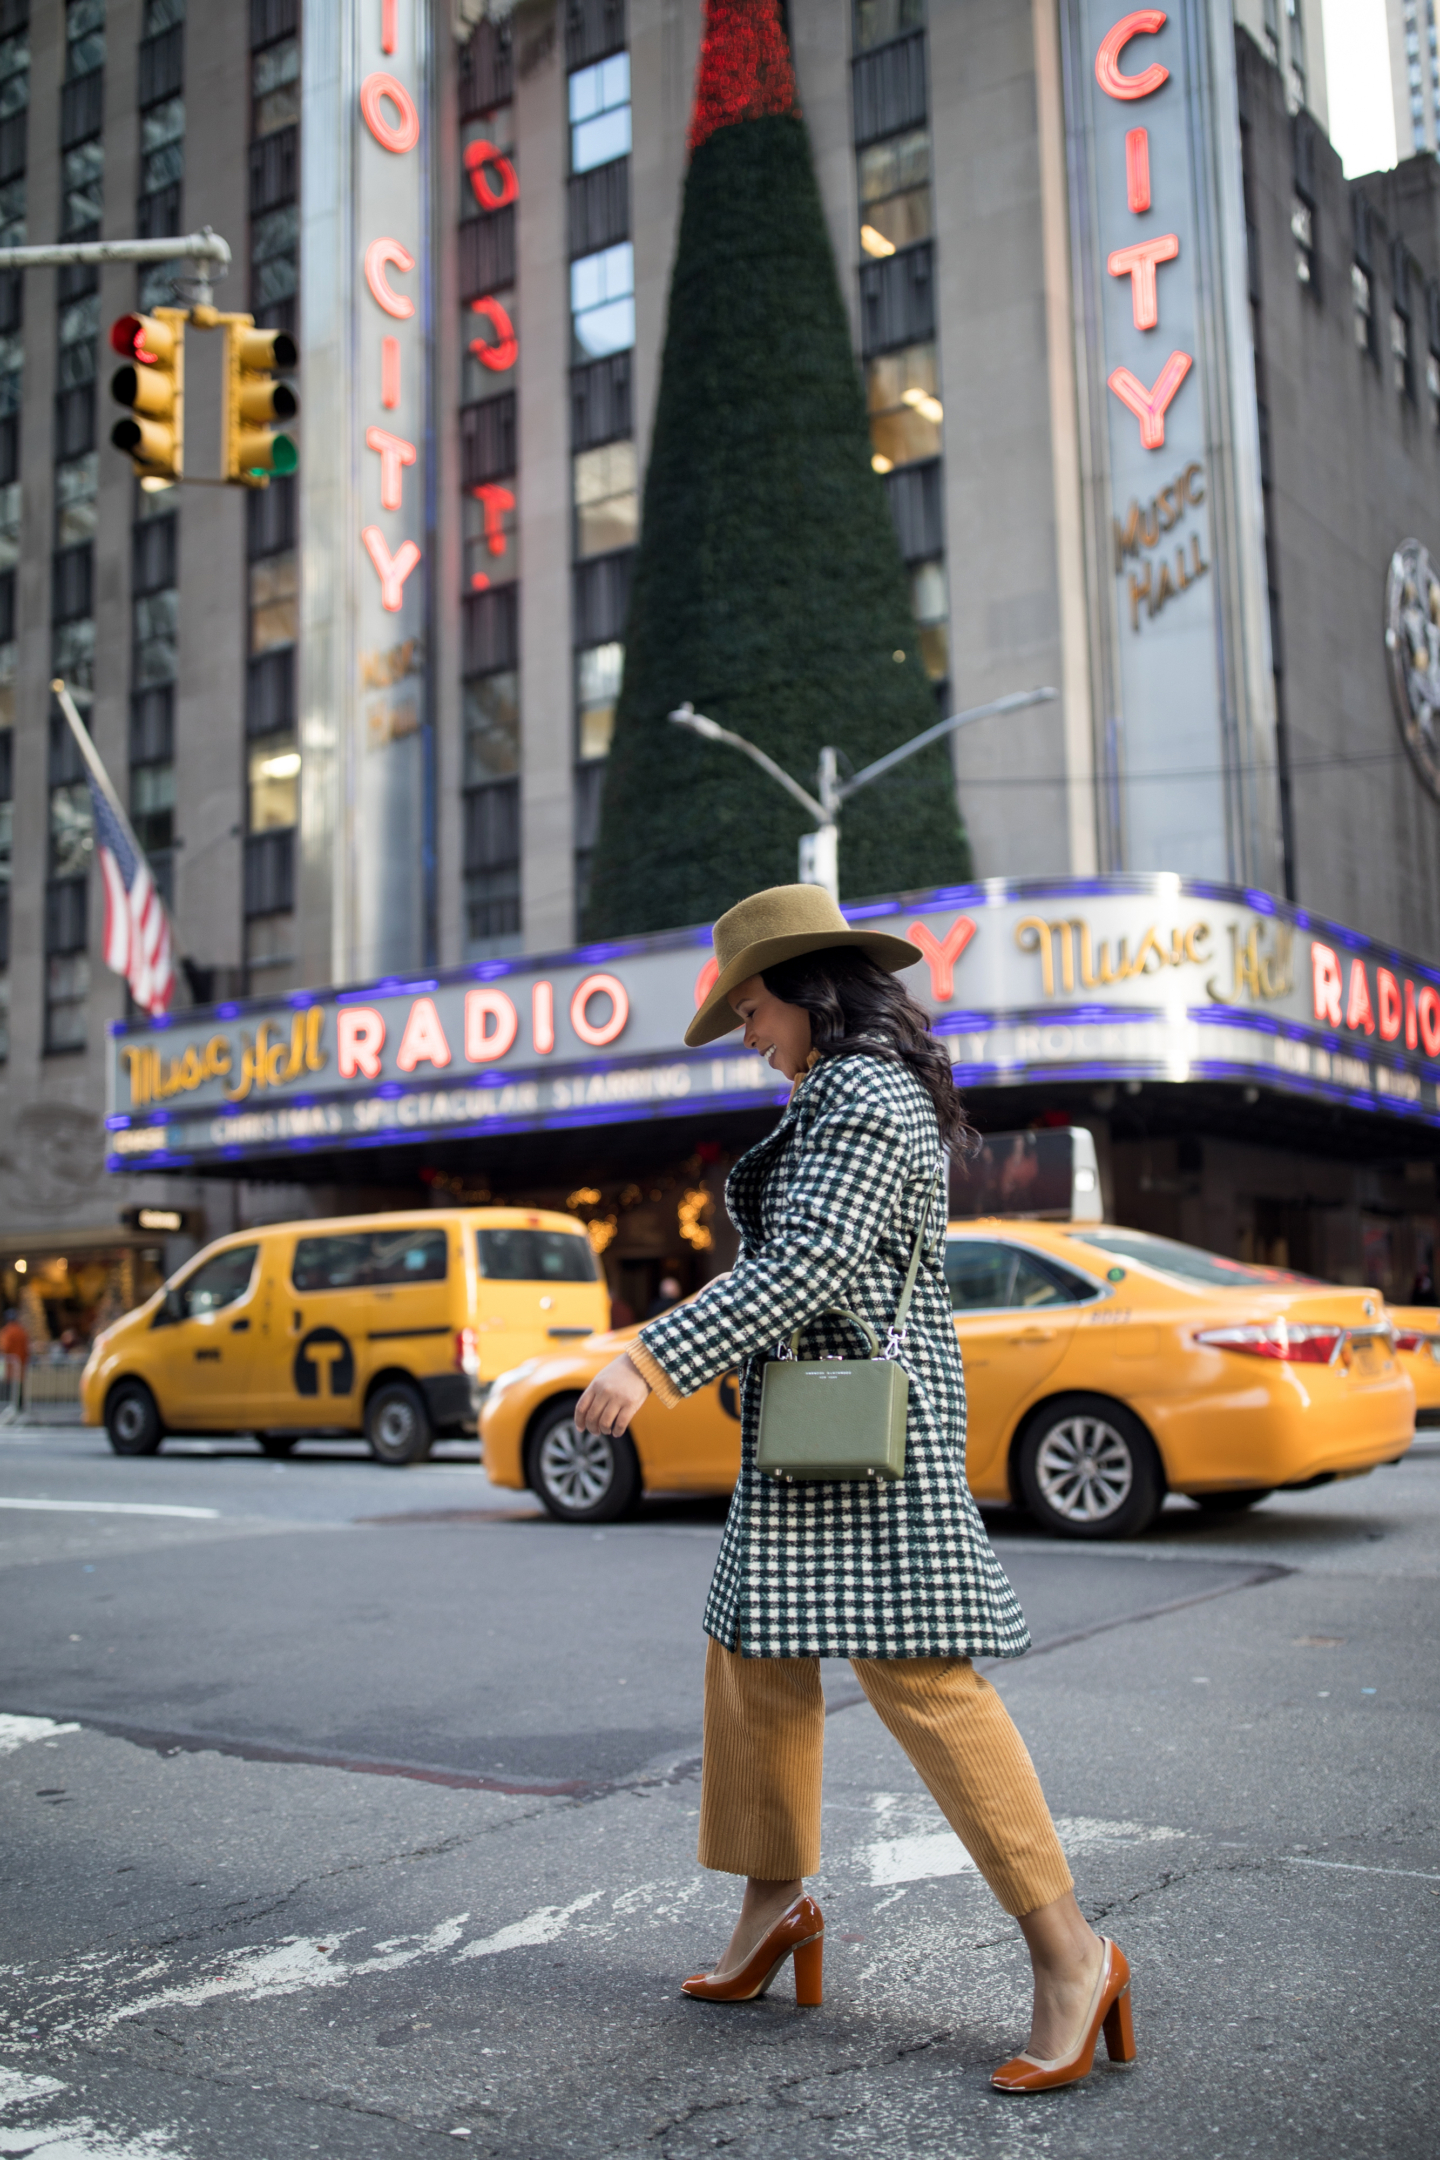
612	1398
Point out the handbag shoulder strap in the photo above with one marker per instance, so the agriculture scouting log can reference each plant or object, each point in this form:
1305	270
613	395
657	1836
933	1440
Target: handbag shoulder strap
902	1309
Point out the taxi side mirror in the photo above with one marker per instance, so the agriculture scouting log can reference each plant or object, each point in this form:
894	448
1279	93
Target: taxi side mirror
172	1310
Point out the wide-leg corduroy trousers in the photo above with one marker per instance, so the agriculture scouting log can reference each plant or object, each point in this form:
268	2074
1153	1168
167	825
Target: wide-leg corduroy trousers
764	1748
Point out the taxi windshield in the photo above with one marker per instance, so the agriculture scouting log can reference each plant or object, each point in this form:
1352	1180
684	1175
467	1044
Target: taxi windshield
1190	1262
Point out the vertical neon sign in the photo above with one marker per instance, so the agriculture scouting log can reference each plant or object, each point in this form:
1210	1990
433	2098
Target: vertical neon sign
1170	441
389	535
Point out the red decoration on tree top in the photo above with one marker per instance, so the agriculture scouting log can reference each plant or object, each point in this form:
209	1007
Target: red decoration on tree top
745	71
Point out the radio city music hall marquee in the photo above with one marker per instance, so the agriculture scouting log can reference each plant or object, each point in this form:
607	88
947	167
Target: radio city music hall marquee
1094	979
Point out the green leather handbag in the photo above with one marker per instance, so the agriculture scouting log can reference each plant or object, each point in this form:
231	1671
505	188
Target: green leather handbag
833	1419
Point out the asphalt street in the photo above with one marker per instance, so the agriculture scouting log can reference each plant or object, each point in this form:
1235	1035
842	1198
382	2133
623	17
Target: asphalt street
345	1811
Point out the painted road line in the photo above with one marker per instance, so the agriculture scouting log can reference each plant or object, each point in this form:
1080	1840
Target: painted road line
111	1507
1356	1867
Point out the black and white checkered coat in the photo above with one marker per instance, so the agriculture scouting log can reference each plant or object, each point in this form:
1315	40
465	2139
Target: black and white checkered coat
827	1206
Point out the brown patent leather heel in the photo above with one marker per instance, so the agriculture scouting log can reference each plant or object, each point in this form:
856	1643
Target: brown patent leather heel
1110	2013
798	1933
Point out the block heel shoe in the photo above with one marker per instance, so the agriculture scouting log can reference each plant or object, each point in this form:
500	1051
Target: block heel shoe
798	1933
1110	2013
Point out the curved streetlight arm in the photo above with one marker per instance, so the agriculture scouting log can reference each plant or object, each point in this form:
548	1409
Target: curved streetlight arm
1016	702
711	731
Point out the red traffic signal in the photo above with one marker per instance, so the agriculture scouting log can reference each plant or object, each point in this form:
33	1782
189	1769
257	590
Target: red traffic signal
143	338
153	387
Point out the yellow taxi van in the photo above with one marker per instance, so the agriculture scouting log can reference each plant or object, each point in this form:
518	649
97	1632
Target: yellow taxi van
393	1326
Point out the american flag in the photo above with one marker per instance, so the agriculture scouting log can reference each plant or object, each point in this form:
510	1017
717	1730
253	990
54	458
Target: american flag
137	928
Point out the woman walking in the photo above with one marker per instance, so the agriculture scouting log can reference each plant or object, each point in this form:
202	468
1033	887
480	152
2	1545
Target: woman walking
899	1577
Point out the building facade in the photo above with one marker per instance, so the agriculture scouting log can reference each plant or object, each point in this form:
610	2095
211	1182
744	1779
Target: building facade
1414	75
360	717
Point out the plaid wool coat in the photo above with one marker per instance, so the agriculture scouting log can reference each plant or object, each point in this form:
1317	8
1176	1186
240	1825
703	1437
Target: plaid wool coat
828	1206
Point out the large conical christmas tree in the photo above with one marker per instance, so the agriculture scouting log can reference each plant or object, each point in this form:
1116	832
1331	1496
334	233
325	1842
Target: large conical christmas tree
769	588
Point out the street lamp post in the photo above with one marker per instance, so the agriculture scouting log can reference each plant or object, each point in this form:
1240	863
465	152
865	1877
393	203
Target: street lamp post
820	850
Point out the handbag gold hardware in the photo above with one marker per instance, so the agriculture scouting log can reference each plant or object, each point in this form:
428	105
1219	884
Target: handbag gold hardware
851	1426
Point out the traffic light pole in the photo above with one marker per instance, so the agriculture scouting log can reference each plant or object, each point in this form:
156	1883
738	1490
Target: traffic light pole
200	249
820	850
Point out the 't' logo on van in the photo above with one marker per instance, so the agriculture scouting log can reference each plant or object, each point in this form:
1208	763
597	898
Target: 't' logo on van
324	1346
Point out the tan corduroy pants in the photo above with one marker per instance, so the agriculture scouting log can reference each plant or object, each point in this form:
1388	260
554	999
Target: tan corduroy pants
764	1746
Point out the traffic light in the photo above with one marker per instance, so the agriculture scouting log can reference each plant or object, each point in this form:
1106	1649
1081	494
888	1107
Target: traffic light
153	386
253	398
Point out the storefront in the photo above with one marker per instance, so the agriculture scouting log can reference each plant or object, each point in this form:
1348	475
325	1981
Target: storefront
1255	1078
64	1287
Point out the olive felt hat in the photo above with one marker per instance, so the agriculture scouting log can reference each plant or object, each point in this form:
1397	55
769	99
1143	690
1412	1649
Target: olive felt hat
776	925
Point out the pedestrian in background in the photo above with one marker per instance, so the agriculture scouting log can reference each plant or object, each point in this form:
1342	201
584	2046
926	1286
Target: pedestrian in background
14	1347
668	1294
900	1578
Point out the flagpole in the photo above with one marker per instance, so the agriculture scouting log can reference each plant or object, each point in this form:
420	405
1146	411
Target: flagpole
92	759
94	765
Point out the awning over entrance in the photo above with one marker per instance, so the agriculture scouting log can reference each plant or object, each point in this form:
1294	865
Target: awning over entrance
1031	981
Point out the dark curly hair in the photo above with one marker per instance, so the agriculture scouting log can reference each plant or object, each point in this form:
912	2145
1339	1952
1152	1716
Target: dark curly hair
857	1010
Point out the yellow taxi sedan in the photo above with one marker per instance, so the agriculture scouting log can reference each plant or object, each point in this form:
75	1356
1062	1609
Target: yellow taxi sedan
1104	1367
1417	1345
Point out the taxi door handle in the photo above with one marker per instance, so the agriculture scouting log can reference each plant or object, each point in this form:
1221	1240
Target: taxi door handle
1034	1335
297	1321
238	1327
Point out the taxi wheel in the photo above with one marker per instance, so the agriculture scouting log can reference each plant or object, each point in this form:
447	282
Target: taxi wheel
132	1420
1087	1468
581	1477
397	1424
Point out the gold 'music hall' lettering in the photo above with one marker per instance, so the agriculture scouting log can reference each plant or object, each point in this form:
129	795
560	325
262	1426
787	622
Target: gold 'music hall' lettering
1051	939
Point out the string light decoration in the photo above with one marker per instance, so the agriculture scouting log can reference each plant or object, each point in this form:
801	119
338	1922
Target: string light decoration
691	1207
745	71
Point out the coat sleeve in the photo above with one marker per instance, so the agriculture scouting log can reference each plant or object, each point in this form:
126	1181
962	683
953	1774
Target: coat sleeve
846	1187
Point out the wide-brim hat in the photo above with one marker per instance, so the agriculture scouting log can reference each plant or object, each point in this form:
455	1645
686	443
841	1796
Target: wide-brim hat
776	925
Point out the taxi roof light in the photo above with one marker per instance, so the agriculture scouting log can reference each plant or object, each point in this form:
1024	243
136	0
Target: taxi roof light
1291	1342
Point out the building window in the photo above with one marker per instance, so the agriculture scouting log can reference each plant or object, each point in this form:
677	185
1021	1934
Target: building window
607	502
490	533
878	21
155	633
902	374
83	179
1363	304
605	488
1400	354
273	783
599	670
273	762
84	37
491	719
76	486
1295	36
7	810
602	302
1302	227
906	415
492	869
275	88
895	193
930	605
274	175
600	113
71	848
274	602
